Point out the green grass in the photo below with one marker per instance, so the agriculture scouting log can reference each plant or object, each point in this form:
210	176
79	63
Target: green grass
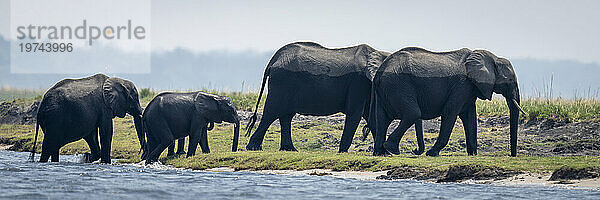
557	109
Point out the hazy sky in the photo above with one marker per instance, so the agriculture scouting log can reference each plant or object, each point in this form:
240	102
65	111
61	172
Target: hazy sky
551	30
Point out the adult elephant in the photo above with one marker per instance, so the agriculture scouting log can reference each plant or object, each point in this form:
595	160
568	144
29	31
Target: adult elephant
84	108
414	84
309	79
171	116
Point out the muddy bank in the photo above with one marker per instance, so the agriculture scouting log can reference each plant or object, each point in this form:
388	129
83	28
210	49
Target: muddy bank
12	113
456	173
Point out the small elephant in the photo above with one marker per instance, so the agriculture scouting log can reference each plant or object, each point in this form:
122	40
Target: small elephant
171	116
414	84
309	79
84	108
181	144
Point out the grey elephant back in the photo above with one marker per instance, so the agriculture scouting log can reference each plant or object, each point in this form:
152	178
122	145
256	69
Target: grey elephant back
317	60
423	63
70	90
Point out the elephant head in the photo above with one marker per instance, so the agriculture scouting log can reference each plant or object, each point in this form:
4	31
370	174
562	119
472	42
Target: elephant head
121	97
218	109
491	74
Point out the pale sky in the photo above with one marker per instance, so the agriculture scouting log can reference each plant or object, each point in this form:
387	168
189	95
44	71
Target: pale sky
549	30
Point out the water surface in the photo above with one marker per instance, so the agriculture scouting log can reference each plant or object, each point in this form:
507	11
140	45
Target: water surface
69	179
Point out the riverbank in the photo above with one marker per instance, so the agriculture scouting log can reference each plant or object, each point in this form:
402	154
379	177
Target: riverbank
548	144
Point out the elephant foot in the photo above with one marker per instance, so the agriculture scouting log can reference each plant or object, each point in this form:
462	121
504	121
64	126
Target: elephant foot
287	148
180	153
432	153
472	153
394	149
252	147
381	152
89	158
418	151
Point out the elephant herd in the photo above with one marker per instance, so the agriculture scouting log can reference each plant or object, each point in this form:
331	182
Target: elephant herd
410	85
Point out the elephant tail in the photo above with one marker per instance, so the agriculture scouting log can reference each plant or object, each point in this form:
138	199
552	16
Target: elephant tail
262	89
372	122
37	128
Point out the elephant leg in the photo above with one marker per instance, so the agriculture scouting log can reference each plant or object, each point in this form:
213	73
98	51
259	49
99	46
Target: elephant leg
171	150
162	136
194	140
180	146
350	124
382	123
421	143
445	131
55	155
256	140
106	132
46	149
92	141
286	143
204	140
410	113
469	119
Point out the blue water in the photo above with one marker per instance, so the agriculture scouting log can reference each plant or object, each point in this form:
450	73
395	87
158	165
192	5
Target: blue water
69	179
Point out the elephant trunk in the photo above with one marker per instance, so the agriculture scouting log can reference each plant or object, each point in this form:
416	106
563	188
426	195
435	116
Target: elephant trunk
139	127
236	135
513	102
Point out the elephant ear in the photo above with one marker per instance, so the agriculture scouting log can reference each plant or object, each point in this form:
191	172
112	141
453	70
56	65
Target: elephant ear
374	60
112	92
481	73
206	106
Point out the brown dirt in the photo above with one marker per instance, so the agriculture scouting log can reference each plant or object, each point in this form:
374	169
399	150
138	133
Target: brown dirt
568	173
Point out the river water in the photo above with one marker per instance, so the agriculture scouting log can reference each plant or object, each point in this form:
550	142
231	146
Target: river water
70	179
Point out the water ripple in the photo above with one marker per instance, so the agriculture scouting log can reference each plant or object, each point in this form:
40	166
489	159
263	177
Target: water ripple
70	179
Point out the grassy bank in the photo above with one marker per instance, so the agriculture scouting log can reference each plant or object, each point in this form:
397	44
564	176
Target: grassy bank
315	151
317	143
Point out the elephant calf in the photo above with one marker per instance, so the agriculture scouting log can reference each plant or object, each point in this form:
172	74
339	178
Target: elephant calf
171	116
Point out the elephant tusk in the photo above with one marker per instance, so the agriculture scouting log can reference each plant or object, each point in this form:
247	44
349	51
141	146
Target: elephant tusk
519	107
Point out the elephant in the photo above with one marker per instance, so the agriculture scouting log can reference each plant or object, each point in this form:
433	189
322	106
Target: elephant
414	83
171	116
84	108
181	144
309	79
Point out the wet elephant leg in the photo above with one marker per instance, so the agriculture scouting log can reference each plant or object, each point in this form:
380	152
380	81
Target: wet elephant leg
106	132
92	141
46	149
286	143
55	154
